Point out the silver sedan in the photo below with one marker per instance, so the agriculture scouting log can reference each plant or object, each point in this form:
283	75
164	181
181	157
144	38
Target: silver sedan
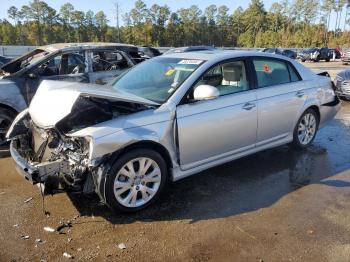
165	119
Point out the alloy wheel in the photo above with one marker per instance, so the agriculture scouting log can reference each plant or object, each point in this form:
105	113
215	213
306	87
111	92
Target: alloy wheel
137	182
307	128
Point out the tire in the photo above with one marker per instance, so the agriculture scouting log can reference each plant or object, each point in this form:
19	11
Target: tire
6	118
122	197
298	142
327	60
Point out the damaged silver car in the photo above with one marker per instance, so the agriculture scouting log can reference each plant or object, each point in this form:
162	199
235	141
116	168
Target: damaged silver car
165	119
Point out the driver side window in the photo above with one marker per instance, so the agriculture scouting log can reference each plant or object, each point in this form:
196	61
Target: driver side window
63	64
228	78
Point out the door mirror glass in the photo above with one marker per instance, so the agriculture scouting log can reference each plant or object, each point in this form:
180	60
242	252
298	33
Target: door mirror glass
206	92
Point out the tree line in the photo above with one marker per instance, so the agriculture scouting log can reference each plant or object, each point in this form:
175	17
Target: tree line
288	23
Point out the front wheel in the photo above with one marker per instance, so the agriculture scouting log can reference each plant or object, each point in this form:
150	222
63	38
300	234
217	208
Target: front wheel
6	118
135	180
305	129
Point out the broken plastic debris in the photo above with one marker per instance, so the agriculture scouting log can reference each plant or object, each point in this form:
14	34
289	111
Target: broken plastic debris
28	200
25	237
16	225
63	225
49	229
69	240
122	246
67	255
310	232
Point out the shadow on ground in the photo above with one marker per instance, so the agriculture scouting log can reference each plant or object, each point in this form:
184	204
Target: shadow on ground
244	185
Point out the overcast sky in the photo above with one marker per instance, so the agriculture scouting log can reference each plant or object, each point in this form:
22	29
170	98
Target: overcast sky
107	5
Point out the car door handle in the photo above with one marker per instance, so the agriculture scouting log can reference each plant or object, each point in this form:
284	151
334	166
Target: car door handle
300	94
248	106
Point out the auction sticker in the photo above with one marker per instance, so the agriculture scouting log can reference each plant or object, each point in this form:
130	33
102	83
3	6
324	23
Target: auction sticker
190	62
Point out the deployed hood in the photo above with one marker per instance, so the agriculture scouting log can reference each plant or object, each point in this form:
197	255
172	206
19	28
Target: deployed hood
54	100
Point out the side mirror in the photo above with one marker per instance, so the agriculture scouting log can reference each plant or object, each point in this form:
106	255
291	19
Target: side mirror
206	92
32	76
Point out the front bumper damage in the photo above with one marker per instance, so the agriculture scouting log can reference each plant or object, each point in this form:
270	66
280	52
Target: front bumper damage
47	157
37	173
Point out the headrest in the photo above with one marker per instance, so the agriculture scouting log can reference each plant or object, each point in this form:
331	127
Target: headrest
232	72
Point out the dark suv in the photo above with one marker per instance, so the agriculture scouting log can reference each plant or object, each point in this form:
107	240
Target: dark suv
315	54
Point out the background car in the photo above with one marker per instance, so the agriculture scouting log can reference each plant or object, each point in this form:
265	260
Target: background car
90	63
190	49
168	118
342	84
314	54
345	57
148	52
285	52
333	52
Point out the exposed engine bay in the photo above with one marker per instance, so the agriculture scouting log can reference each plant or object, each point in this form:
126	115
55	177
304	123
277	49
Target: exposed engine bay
61	162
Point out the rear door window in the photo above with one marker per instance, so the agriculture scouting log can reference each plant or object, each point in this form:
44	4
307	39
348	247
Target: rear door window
272	72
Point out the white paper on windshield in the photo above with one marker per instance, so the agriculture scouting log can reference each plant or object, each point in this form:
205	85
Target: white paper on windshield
190	62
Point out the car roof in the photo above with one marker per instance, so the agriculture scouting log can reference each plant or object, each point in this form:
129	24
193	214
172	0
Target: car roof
79	46
220	55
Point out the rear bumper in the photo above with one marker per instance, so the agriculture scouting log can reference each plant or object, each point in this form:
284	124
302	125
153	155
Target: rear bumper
329	110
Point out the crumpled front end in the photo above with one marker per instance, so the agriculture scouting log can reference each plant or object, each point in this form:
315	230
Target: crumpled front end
46	156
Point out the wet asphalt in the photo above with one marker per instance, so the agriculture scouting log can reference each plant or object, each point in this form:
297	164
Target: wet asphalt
276	205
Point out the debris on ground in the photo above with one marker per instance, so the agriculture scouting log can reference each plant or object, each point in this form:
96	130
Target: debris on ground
67	255
25	237
309	232
16	225
28	200
1	193
49	229
39	241
63	226
122	246
69	240
79	249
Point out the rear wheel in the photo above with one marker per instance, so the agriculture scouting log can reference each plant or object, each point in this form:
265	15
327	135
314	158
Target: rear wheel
136	180
305	129
6	118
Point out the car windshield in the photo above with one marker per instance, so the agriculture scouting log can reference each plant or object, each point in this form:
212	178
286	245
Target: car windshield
24	61
156	79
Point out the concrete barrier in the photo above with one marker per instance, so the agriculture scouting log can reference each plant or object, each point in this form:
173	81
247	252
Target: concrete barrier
14	51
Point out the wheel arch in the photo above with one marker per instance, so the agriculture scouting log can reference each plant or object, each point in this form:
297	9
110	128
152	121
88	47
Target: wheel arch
5	106
149	144
316	109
